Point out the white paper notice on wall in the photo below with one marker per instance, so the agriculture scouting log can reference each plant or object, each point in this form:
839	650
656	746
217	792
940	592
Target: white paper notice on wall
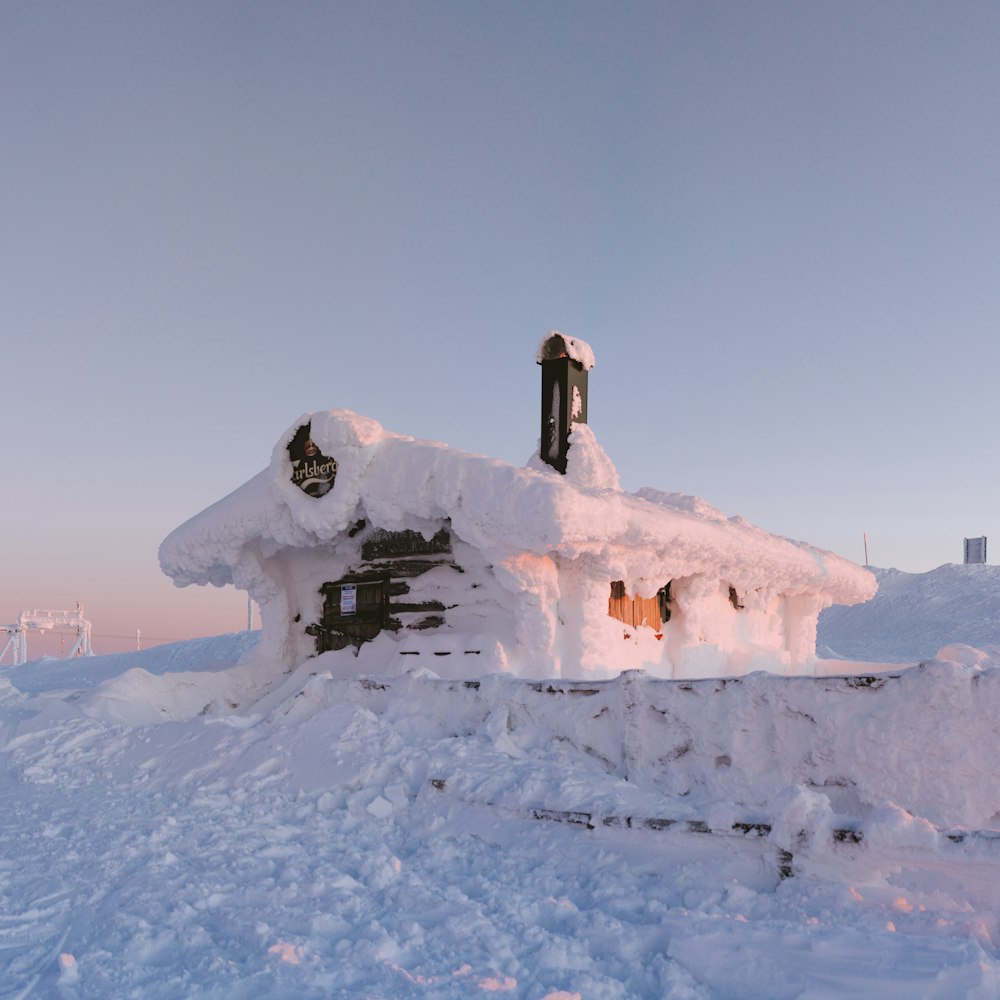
348	599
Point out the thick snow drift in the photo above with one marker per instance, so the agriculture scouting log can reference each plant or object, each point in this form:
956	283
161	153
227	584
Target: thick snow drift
914	614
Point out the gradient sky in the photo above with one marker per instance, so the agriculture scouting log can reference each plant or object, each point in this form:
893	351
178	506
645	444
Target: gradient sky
777	224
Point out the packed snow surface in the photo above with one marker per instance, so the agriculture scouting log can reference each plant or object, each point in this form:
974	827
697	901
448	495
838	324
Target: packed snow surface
180	824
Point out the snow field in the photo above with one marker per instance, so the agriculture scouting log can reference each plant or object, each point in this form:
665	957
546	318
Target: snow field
376	838
915	614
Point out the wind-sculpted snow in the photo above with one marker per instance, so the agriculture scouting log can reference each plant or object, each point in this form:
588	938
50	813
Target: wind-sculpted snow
914	614
174	831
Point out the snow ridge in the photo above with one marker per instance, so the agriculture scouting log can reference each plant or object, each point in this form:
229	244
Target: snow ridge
913	615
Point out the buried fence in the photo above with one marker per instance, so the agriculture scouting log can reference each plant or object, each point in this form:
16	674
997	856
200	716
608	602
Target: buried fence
924	739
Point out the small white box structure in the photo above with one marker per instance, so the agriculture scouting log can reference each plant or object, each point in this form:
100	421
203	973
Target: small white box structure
975	550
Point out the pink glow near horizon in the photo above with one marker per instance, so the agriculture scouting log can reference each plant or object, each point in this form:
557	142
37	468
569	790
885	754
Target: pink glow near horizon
161	612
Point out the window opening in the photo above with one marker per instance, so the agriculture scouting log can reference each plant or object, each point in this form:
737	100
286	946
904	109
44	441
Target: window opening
652	612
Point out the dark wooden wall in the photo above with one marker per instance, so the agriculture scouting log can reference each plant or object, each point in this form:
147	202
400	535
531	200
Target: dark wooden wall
390	564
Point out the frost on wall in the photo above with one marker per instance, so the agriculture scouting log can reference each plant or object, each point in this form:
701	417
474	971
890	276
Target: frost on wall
535	554
553	449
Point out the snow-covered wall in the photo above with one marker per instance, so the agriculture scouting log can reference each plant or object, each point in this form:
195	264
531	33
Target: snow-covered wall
917	744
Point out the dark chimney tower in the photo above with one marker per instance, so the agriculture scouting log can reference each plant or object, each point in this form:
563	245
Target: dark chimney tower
565	363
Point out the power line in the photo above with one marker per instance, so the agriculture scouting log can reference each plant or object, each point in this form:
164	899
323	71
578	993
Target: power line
152	638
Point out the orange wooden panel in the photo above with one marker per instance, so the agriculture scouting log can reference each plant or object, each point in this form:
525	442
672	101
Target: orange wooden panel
633	611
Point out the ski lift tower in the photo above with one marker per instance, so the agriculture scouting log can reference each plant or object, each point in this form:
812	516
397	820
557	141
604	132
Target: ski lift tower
16	642
60	622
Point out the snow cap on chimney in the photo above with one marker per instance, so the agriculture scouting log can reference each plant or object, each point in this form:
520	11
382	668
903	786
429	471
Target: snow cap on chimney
557	345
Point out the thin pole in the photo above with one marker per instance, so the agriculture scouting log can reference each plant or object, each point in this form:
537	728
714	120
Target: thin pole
866	547
138	640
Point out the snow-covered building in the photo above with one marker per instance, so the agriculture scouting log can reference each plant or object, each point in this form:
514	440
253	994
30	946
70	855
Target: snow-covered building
358	539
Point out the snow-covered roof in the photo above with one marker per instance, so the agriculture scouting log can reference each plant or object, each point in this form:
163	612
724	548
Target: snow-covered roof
398	482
